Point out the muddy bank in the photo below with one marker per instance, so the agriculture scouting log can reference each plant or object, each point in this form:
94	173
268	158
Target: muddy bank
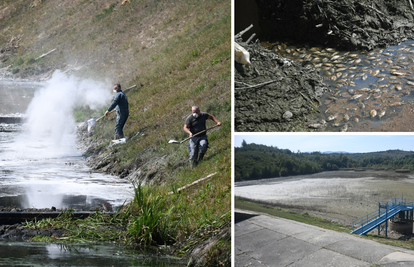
275	93
339	196
344	24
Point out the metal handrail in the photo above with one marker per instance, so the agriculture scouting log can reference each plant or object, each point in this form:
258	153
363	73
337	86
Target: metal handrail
393	204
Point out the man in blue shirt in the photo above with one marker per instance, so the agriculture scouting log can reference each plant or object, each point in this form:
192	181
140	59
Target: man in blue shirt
194	124
122	111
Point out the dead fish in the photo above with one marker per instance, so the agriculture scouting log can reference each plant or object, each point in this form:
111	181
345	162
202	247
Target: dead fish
361	105
332	98
373	113
381	114
355	97
366	98
333	78
354	109
396	104
356	120
380	80
335	57
332	117
410	83
357	61
365	89
344	128
342	81
316	125
346	117
351	91
397	73
341	69
353	55
398	87
381	75
353	68
376	90
375	72
364	77
338	74
388	61
387	54
336	124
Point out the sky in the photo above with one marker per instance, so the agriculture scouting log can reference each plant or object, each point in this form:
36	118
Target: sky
359	143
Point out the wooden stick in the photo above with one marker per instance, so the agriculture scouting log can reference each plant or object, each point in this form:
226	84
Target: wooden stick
42	56
307	98
411	4
251	38
257	85
193	183
373	8
244	31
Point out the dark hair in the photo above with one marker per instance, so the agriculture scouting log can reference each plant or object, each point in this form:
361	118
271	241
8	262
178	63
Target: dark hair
118	86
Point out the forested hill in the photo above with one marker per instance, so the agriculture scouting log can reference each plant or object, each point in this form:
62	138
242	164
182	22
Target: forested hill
254	161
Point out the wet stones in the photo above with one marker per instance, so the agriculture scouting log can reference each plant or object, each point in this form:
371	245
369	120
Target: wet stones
287	115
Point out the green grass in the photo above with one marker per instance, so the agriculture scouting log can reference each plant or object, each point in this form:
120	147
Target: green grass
178	53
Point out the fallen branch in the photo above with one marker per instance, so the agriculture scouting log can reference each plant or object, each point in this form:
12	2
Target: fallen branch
307	98
373	8
257	85
251	38
411	4
193	183
42	56
243	32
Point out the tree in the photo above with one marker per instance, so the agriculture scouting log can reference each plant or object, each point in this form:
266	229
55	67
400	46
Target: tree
244	144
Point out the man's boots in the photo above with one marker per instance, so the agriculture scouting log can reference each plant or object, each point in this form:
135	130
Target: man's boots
200	157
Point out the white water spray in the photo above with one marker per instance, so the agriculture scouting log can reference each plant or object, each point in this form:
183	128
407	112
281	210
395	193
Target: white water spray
50	130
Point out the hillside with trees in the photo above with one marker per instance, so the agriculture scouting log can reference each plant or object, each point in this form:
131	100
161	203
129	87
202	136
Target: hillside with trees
254	161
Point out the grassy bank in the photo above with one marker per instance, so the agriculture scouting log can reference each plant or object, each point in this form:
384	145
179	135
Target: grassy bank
178	55
245	204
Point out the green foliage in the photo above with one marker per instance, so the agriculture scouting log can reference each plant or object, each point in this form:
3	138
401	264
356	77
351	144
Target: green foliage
254	161
19	61
150	223
105	12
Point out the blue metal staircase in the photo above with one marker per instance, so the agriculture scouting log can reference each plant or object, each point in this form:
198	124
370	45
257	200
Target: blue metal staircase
386	211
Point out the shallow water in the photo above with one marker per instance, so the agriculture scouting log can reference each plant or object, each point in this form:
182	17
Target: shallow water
41	167
41	254
46	169
382	77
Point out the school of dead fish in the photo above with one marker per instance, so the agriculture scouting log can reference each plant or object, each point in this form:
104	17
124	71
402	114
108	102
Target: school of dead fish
375	81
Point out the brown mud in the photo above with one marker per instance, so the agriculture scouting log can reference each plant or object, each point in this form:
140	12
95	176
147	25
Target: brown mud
290	99
288	94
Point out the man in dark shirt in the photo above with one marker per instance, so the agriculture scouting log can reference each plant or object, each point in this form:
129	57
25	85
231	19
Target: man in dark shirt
122	111
194	124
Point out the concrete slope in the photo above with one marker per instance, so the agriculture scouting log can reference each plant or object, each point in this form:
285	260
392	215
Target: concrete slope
264	240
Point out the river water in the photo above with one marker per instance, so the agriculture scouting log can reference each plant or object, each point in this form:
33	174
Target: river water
369	90
41	167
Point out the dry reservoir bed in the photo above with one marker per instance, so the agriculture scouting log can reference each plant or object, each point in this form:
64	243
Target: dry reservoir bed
340	196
